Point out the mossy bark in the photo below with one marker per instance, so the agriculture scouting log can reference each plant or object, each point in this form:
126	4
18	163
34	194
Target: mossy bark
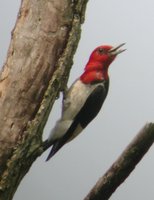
37	67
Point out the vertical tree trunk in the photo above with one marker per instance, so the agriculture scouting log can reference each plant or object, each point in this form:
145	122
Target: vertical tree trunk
39	58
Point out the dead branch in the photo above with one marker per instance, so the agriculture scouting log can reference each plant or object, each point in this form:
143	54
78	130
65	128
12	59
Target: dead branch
124	165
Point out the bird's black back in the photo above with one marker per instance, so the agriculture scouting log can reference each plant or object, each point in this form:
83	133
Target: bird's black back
87	113
92	105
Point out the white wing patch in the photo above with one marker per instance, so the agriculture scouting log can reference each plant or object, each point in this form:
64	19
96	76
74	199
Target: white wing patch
75	99
60	129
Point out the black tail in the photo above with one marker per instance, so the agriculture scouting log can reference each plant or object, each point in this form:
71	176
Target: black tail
59	143
56	146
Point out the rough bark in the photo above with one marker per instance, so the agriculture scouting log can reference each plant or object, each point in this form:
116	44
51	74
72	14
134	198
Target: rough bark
124	165
39	58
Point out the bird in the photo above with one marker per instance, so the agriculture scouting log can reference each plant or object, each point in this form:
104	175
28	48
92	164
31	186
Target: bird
84	99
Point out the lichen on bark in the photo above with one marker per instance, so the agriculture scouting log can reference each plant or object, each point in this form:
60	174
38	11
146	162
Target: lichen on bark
38	63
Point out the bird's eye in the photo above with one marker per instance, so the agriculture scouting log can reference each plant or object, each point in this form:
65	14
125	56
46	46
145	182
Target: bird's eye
101	50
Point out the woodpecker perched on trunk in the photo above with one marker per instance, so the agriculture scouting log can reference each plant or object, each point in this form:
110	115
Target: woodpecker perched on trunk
84	98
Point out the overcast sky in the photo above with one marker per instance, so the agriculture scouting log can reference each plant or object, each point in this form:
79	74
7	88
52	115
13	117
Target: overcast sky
71	173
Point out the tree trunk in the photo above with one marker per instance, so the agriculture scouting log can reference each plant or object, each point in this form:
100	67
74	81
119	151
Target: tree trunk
39	58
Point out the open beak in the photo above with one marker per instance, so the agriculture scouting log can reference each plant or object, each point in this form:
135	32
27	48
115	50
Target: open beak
116	50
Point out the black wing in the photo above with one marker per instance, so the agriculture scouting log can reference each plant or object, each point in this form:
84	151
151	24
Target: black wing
92	106
87	113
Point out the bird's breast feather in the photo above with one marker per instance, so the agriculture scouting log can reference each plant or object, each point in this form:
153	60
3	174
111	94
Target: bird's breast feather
76	98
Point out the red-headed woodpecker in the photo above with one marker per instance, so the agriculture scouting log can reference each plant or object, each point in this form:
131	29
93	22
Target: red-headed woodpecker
84	98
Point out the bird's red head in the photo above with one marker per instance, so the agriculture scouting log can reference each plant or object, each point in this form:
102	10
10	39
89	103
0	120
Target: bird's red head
101	54
96	69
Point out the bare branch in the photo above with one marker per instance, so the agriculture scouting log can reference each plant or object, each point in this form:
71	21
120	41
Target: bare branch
124	165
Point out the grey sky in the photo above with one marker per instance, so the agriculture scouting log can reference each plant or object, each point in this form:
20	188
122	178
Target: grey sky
77	166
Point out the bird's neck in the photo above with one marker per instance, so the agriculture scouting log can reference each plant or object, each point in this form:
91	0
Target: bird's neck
94	72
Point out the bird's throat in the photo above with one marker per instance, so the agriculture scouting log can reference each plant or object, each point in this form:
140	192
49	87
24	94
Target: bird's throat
94	76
